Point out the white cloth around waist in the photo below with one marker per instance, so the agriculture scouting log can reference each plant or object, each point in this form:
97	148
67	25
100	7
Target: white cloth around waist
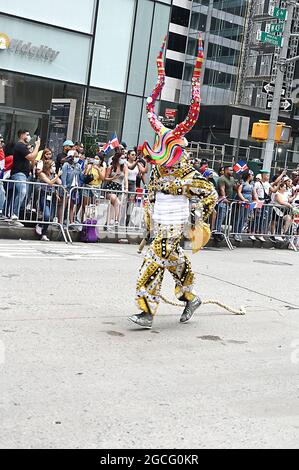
171	210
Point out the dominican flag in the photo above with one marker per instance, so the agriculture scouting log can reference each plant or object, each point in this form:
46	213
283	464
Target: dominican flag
112	144
254	205
240	167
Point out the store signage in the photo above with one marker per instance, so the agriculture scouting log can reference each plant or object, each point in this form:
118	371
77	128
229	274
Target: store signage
17	46
170	113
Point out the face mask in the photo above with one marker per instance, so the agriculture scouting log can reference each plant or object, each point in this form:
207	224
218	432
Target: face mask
122	161
97	162
28	139
76	160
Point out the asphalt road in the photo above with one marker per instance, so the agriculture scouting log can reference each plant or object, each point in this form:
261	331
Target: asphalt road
76	374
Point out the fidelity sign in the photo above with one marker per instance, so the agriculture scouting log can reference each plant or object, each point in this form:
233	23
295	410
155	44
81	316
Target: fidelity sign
16	46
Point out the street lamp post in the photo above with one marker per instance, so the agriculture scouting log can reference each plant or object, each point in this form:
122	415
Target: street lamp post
278	87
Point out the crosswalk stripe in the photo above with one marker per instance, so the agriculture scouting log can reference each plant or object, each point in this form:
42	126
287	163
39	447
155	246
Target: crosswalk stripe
42	251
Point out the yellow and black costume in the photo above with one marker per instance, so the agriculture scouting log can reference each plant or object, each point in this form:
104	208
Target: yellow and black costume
165	251
174	185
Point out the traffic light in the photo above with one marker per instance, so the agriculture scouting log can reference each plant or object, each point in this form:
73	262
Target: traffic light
282	134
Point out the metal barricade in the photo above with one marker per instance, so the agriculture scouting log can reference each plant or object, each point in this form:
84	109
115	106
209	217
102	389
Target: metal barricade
34	203
104	214
261	221
219	222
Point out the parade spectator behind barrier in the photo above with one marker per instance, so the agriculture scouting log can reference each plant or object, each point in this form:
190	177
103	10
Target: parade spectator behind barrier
225	186
2	190
62	157
8	188
94	176
141	178
49	196
282	212
135	169
21	168
117	180
46	156
264	190
246	194
71	175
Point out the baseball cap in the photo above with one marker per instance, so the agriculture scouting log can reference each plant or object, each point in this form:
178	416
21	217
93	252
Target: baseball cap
265	172
68	143
208	173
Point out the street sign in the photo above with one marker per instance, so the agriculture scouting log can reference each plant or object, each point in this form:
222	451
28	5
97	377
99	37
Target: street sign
280	13
239	127
276	41
285	105
274	28
269	88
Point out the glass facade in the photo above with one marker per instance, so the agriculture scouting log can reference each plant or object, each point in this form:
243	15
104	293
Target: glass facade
222	23
97	57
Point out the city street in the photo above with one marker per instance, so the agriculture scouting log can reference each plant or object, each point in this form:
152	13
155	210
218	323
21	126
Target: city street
76	374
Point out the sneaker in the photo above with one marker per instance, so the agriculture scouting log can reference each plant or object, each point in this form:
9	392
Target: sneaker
238	238
279	239
145	320
252	238
45	238
38	230
14	218
261	239
272	239
190	309
13	221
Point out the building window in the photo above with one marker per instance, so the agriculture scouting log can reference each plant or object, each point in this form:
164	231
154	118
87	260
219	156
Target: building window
261	98
259	8
180	16
105	112
198	21
247	98
177	42
251	66
174	69
266	64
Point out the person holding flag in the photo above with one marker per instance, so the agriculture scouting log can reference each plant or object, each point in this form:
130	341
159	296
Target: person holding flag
111	145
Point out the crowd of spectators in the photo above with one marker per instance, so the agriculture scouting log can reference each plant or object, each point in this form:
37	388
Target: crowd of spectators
72	178
256	206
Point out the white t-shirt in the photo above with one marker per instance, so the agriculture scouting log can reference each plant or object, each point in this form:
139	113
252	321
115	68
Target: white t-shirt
262	189
132	174
171	210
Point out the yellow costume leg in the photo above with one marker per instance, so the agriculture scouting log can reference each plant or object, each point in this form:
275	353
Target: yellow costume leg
165	253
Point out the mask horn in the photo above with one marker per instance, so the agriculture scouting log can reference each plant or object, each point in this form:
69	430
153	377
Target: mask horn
184	127
151	101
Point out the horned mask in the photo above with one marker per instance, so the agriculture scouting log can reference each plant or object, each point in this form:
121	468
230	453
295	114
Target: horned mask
170	143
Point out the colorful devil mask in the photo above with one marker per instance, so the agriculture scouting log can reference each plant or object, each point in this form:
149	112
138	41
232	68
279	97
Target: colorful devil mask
170	144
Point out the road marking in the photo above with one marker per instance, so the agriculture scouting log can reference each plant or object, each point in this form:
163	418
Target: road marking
39	251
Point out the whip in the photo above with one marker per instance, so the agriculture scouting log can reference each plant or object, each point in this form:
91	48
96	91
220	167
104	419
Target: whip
241	311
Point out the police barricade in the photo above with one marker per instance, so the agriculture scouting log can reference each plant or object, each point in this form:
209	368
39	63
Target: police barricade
263	222
219	222
33	204
105	214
